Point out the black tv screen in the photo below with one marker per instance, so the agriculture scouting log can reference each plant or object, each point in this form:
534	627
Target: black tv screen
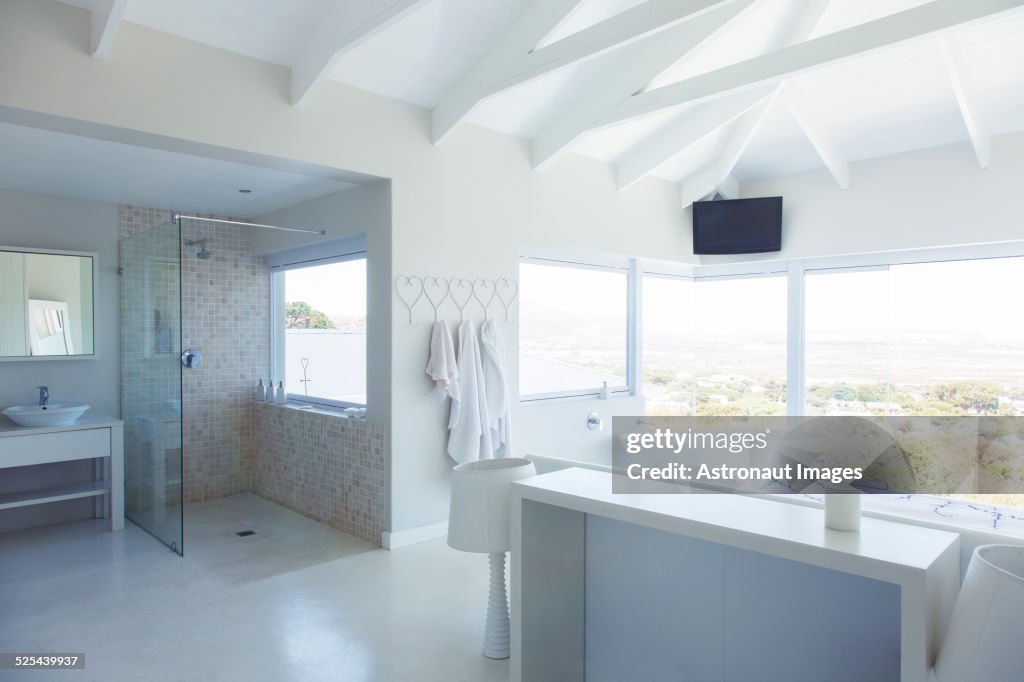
737	226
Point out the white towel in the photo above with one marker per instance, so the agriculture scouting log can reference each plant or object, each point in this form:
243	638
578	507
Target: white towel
499	406
469	437
441	367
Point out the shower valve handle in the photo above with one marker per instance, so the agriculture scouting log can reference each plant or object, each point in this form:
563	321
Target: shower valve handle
191	359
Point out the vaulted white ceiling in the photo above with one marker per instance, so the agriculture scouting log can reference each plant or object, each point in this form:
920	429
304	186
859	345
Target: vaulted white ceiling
624	80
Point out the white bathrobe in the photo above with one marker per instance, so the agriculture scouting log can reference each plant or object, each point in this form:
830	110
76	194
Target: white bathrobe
499	406
469	437
441	367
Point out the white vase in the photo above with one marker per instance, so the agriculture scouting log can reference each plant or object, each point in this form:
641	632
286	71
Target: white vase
983	641
842	511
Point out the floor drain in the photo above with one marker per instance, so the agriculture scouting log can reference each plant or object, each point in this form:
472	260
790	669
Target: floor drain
245	533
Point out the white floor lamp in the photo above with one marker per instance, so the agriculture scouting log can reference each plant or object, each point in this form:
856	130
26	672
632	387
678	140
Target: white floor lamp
983	642
479	521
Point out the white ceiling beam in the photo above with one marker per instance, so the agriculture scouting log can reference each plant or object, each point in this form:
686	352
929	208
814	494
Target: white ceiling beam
666	144
707	117
718	172
953	59
104	21
822	142
729	188
912	24
538	20
703	185
620	30
642	62
349	24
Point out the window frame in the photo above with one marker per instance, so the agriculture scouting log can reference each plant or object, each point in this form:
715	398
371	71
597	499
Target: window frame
575	260
795	269
336	251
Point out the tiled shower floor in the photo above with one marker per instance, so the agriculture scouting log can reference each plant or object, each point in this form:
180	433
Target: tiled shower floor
294	601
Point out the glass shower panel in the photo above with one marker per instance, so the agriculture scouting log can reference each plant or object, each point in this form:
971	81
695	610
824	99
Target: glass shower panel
151	381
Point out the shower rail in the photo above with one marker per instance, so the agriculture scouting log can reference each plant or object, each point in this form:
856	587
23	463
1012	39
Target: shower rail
181	216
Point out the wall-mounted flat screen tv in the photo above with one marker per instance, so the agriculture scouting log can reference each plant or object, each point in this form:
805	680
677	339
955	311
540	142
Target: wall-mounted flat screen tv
731	226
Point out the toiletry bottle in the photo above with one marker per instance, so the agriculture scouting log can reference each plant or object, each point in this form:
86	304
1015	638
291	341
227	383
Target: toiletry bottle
604	391
261	391
280	397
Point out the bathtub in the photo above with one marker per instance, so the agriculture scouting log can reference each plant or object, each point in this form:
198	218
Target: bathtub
546	464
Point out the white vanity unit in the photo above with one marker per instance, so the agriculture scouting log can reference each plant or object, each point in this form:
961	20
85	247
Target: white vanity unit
717	587
91	437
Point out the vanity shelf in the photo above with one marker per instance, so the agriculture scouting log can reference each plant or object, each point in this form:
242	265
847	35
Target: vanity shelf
92	437
55	494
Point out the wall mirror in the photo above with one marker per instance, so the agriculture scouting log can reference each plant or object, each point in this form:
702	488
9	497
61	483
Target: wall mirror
46	303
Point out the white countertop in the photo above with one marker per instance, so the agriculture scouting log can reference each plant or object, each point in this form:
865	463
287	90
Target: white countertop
86	421
882	549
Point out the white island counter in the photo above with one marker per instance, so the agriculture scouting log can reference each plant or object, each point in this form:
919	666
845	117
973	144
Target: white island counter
717	587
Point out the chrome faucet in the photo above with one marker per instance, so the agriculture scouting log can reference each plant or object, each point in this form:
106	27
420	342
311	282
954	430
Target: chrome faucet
44	395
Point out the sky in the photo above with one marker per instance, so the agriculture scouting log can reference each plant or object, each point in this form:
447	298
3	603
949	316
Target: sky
337	289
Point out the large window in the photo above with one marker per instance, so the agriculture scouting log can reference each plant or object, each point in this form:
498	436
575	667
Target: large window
957	337
933	338
931	332
320	323
714	346
668	368
573	329
847	351
739	337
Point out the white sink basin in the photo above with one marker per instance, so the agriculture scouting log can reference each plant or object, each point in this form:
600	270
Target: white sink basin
56	414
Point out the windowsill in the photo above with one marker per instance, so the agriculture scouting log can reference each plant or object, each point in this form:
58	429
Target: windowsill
957	516
325	410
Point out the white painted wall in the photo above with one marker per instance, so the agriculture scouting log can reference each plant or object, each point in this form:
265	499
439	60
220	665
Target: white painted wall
559	428
466	207
930	197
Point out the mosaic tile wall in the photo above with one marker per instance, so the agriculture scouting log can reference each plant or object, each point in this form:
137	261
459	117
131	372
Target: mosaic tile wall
327	468
225	305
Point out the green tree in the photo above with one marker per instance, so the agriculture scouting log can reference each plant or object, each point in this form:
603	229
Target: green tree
300	315
871	393
979	398
659	377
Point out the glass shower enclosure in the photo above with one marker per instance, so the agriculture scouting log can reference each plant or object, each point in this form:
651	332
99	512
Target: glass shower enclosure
151	366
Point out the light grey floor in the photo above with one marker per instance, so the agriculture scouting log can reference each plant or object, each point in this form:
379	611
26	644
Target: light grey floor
295	601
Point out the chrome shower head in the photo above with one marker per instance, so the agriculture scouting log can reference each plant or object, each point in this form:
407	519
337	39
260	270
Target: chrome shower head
203	253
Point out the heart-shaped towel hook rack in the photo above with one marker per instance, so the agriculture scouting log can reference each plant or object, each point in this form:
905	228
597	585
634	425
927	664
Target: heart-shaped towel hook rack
480	287
438	299
458	284
511	292
412	285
